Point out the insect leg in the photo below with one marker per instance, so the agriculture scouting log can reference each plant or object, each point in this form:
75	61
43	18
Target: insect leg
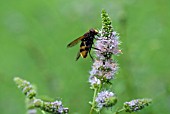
78	56
96	48
90	55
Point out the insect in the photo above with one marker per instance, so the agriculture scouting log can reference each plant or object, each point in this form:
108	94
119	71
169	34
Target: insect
86	43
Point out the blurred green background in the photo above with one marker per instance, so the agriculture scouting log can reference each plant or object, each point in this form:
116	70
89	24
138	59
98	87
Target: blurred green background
33	39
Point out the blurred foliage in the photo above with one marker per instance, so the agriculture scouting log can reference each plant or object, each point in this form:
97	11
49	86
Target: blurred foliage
33	39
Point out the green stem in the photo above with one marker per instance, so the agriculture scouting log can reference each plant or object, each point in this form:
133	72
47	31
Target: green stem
43	112
100	86
93	103
120	110
96	90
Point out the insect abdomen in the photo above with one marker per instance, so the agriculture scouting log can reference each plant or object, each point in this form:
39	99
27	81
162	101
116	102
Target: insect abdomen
84	51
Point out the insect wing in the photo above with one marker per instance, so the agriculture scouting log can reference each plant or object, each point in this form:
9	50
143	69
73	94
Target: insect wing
73	43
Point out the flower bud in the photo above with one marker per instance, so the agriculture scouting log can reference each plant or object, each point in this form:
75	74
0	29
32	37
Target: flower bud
26	87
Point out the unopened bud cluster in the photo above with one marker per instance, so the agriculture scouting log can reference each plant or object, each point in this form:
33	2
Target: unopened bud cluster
26	87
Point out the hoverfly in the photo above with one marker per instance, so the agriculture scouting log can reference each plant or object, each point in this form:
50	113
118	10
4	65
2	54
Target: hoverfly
86	43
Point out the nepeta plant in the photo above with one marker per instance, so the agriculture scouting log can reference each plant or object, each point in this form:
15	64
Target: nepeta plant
104	69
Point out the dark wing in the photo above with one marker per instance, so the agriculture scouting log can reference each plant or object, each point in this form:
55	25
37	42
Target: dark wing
73	43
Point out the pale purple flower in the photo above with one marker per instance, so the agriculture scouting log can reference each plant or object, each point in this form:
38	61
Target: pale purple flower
105	99
105	70
136	105
55	107
94	81
133	104
58	105
32	111
107	45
